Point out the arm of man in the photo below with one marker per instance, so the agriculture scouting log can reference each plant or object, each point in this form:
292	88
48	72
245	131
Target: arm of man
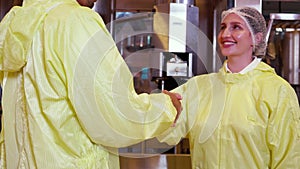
102	90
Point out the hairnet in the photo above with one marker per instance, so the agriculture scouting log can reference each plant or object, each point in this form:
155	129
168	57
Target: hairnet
256	24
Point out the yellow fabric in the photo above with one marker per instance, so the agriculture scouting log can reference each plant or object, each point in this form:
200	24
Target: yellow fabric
236	121
68	96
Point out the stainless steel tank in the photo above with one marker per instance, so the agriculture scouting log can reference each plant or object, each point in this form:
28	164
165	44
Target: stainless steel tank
289	30
290	54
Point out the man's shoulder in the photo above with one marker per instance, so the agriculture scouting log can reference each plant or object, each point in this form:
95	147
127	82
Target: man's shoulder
71	11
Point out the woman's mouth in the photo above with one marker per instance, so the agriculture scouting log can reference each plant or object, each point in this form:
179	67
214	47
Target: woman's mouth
228	43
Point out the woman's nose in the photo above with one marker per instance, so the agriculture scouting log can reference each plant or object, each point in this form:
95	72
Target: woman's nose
225	32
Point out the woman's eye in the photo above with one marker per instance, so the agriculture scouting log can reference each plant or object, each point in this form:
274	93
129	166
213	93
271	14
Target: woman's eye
222	27
236	27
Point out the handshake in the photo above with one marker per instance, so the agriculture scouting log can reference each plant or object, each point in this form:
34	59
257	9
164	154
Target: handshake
175	97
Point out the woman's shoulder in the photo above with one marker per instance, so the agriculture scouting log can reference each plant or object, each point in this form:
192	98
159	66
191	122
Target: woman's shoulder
266	75
273	85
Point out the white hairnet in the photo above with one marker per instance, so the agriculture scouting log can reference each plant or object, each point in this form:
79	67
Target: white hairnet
256	23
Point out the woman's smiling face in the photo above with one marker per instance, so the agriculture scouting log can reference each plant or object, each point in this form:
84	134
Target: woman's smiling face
235	37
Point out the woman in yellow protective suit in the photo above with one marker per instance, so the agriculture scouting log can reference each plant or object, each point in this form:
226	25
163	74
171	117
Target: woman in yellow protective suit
245	116
68	96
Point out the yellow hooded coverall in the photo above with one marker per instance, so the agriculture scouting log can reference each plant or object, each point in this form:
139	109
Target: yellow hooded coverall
239	121
68	96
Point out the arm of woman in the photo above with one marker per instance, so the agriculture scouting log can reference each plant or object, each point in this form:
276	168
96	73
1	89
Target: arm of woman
284	131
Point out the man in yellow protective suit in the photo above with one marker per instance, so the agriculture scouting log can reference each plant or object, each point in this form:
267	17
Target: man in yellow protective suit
68	96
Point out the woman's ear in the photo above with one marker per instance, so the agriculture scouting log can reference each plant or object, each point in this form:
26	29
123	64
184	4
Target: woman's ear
258	38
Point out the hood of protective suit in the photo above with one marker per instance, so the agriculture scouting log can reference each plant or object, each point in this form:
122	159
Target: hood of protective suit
17	30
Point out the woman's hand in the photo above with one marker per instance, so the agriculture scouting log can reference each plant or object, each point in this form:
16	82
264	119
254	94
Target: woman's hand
175	97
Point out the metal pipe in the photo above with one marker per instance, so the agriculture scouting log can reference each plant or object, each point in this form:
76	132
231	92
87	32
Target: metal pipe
188	2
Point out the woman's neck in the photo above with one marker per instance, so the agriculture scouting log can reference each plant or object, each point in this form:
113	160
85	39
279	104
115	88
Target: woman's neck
237	64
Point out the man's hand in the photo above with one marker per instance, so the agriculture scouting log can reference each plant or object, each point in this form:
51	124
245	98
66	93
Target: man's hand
175	97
